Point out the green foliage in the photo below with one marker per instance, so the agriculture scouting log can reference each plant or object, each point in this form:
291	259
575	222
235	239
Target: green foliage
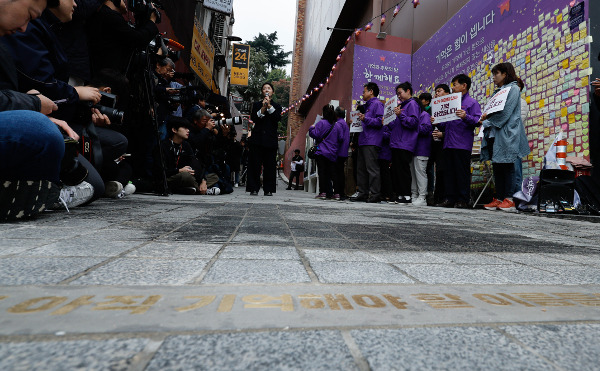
275	54
265	57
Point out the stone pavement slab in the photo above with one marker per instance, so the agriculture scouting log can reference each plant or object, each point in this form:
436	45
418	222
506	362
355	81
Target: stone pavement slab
290	282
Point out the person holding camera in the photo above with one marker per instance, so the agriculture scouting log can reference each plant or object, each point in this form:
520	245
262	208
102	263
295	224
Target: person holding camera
112	41
31	145
41	63
263	143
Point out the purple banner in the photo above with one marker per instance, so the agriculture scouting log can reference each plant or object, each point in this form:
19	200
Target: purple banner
536	37
386	69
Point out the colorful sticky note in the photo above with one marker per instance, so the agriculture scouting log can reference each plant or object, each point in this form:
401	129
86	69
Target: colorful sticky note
542	103
571	118
564	112
565	63
559	18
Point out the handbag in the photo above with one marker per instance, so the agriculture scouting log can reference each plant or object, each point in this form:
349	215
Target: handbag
312	151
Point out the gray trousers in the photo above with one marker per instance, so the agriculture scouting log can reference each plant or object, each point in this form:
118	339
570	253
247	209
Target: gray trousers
368	174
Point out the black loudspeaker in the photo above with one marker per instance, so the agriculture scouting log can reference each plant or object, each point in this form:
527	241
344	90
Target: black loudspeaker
556	191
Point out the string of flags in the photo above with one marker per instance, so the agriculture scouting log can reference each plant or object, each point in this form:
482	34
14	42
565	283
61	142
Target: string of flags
356	34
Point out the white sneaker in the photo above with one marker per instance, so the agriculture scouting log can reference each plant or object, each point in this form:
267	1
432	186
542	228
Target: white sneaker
236	185
213	191
113	189
73	196
355	194
420	201
129	189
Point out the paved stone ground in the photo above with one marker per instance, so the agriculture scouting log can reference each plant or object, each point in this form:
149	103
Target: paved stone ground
287	282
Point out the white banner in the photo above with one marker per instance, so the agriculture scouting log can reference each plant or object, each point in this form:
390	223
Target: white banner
444	108
224	6
355	123
388	110
497	102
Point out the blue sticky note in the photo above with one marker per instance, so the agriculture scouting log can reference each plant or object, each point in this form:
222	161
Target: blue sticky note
572	109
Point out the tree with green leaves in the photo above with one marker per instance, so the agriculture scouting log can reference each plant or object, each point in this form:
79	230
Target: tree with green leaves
265	57
275	54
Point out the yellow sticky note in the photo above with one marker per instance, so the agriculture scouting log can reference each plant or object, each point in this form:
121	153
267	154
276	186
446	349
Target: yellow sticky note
583	33
556	75
542	103
576	37
528	59
514	43
546	131
559	18
569	147
571	118
496	48
487	66
584	81
565	63
585	64
528	99
564	112
568	38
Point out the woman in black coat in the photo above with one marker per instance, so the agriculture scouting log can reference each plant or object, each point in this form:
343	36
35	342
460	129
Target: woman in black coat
263	144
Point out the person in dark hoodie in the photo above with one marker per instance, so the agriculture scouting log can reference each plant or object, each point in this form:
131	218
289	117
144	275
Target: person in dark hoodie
31	145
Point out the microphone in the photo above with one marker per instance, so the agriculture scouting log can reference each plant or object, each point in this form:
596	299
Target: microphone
266	95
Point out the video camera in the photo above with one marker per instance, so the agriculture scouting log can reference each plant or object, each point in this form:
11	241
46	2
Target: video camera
142	9
186	95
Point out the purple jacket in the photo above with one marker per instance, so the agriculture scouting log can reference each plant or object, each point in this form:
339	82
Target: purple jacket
329	146
405	128
345	143
458	134
423	147
372	133
386	151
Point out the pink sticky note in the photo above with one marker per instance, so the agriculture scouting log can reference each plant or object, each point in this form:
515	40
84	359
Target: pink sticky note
579	108
576	92
568	102
564	127
556	122
529	52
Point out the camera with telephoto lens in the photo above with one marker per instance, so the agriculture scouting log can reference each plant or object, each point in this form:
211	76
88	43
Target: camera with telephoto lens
228	122
107	105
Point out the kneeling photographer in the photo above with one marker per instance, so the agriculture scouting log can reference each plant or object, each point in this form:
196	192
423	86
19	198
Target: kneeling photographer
210	140
185	174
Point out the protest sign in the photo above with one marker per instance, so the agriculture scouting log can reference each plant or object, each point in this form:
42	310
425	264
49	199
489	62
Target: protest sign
444	108
355	124
497	102
388	110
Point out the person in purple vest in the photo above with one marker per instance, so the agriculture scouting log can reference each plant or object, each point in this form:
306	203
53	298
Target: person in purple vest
403	141
328	136
418	166
458	144
339	180
385	160
369	144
